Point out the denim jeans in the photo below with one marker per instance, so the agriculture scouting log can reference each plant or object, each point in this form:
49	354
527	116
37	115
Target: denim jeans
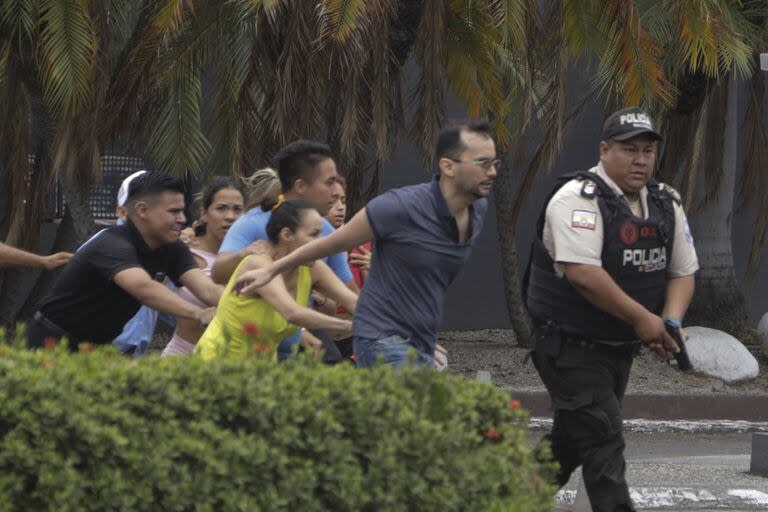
393	350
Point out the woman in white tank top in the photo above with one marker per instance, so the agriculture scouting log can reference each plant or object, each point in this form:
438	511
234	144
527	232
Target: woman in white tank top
223	201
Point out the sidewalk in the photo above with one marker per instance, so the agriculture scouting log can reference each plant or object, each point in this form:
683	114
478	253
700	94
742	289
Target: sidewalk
685	472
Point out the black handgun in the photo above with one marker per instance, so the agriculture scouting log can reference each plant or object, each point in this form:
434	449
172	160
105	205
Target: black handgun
683	362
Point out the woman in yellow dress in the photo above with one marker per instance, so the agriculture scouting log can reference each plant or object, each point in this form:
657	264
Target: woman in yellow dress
243	323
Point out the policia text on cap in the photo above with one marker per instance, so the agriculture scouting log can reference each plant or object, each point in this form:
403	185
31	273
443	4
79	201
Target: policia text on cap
613	258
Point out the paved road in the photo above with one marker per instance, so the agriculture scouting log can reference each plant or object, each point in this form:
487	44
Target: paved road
686	471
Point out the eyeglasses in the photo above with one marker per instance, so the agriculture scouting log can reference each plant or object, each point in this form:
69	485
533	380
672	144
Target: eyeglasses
485	163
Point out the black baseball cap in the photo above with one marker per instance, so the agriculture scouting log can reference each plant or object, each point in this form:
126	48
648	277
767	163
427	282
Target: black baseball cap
628	123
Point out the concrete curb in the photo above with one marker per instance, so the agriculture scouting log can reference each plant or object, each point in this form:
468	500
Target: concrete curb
668	407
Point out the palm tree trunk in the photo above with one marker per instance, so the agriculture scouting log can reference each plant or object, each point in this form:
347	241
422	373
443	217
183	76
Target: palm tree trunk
719	302
504	202
82	218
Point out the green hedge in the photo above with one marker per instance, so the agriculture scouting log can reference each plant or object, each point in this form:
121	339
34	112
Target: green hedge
96	431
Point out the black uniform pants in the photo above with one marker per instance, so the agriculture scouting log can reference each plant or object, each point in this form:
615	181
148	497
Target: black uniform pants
586	382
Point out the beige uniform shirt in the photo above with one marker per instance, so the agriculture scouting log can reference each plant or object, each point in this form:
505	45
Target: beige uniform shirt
573	228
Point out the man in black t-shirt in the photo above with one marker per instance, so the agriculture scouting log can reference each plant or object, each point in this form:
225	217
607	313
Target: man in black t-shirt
123	267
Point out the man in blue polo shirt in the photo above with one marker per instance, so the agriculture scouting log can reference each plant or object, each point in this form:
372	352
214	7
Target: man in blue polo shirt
423	235
307	172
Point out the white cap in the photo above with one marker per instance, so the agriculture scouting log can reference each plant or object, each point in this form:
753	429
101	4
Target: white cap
122	194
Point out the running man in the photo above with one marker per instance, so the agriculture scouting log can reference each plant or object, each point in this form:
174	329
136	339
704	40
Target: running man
423	235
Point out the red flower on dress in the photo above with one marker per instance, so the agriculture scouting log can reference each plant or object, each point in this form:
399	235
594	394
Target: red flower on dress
251	329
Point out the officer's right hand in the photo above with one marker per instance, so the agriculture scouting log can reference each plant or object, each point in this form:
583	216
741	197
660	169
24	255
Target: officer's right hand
653	333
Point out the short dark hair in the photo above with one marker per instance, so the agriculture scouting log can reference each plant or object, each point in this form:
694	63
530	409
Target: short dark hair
287	214
449	143
152	184
299	160
341	180
210	190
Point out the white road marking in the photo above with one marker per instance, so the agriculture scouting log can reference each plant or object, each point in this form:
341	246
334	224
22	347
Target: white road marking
657	497
672	426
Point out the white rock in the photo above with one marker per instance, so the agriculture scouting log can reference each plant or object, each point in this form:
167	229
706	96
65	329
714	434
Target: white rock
718	354
762	333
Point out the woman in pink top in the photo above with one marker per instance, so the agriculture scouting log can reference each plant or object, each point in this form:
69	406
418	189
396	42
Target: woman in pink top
223	202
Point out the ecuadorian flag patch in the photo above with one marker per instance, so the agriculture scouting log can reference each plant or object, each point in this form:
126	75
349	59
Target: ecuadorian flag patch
583	219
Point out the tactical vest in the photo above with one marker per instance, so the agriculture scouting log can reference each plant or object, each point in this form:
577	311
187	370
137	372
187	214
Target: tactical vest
635	253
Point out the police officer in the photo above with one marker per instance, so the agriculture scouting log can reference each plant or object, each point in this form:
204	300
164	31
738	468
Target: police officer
613	259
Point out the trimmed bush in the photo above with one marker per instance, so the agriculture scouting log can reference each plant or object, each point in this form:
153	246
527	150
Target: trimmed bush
96	431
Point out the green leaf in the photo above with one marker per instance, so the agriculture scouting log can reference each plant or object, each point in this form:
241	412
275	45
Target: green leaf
67	54
18	18
176	140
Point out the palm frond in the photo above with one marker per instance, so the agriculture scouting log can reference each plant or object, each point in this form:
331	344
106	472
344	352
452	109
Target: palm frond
250	8
19	19
345	17
713	36
171	16
177	142
383	117
580	20
67	52
296	105
429	95
231	105
5	53
630	62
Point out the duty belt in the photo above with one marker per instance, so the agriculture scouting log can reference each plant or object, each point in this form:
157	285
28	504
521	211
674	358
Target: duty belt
606	345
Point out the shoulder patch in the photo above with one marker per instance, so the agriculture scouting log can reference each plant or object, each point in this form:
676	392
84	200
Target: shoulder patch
583	219
589	189
671	191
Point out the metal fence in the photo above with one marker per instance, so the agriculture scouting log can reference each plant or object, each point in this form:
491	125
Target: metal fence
102	198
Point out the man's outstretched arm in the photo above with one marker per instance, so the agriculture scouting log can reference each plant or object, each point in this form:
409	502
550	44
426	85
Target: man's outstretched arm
13	256
356	232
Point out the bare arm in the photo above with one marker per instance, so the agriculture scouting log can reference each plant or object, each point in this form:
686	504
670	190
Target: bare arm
355	232
137	282
13	256
223	266
679	295
201	286
226	262
276	294
599	288
329	285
